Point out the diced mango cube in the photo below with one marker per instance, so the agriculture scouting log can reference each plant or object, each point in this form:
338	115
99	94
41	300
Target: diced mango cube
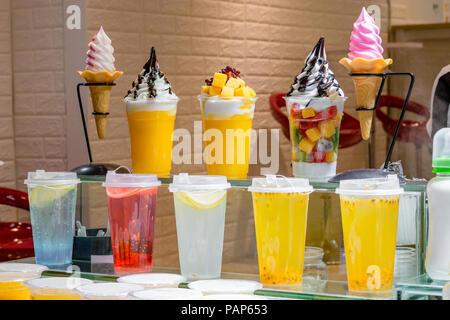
243	92
252	92
219	80
241	82
214	91
306	145
327	128
308	113
337	119
205	89
227	92
330	157
313	134
233	83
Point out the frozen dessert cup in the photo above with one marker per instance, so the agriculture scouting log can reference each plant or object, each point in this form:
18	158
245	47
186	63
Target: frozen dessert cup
200	205
369	209
314	127
280	208
227	107
132	208
154	280
365	56
225	286
55	288
107	290
151	110
100	69
166	294
11	285
52	197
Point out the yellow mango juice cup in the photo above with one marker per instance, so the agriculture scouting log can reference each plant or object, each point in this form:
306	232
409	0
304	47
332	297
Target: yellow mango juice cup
369	209
227	126
151	124
280	207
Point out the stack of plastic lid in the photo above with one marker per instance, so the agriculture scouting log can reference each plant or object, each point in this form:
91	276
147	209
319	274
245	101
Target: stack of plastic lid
107	291
153	280
225	286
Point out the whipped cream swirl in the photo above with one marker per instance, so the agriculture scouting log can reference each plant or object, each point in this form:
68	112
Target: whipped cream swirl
316	79
151	83
365	41
100	54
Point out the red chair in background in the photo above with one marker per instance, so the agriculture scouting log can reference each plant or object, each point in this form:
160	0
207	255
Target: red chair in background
350	133
16	238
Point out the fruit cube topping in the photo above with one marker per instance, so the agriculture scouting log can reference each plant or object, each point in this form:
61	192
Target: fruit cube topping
219	80
214	91
227	83
227	92
306	145
308	113
205	89
233	83
313	134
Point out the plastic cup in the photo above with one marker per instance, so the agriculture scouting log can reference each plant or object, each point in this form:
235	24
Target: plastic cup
280	207
22	267
11	287
314	127
151	125
369	209
53	197
131	208
154	280
225	286
200	205
166	294
107	291
55	288
227	126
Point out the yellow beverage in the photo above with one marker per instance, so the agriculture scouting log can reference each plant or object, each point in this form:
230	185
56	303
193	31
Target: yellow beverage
280	225
11	287
151	140
227	126
370	229
54	294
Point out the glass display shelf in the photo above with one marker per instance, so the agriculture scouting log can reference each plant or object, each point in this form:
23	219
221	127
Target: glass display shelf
420	287
310	290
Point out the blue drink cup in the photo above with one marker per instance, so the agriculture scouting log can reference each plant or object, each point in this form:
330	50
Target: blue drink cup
52	198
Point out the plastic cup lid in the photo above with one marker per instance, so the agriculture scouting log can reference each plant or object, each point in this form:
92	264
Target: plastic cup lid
225	286
111	289
22	267
186	182
41	177
130	180
233	297
167	294
57	283
388	186
153	279
17	276
280	184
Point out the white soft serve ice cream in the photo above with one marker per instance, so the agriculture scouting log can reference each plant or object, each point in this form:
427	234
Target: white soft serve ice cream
151	90
100	54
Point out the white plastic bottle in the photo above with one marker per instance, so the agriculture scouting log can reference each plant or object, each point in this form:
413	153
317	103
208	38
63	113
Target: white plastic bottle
437	263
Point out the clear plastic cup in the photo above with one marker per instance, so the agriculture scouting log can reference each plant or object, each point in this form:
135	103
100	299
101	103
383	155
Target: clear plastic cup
107	290
225	286
200	205
166	294
154	280
280	207
369	209
131	208
22	267
227	126
314	127
53	198
11	287
55	288
151	124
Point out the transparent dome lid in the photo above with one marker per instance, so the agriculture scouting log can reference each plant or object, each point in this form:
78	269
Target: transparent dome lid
441	151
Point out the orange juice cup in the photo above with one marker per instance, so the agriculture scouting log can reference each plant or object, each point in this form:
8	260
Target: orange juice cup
369	209
151	124
11	287
227	126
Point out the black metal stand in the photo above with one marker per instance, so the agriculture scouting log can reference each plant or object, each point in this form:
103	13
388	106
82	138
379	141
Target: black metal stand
376	173
91	168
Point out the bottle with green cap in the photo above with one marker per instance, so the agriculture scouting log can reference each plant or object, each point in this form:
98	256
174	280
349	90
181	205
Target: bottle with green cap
437	263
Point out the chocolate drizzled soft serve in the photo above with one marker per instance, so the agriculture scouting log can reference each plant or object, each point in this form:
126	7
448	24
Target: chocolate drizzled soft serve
316	79
151	82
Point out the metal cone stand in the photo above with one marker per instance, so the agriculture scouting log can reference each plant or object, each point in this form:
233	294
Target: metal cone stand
379	173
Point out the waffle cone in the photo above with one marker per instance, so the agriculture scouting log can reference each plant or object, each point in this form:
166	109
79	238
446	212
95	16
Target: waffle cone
366	88
100	95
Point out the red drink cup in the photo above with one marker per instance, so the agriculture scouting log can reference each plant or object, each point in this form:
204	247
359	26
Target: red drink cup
131	207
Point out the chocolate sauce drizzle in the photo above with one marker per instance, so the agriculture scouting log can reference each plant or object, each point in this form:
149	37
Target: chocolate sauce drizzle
151	68
323	78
